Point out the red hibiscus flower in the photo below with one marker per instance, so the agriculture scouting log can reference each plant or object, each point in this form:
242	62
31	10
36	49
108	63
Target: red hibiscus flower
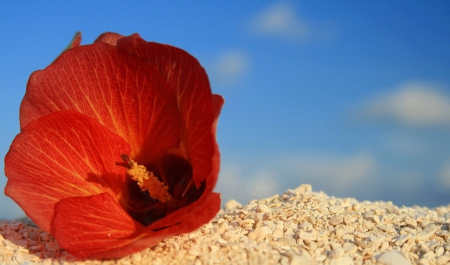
117	148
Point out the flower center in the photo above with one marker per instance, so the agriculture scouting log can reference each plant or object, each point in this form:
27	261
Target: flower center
154	191
147	181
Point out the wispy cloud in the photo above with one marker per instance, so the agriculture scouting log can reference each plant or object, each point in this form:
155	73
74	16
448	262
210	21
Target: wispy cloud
235	184
405	143
281	20
413	103
264	184
275	174
231	65
335	172
444	175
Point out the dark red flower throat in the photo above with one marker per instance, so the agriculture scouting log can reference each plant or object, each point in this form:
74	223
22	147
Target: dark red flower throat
176	174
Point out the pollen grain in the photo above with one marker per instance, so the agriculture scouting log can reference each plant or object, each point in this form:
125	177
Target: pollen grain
147	181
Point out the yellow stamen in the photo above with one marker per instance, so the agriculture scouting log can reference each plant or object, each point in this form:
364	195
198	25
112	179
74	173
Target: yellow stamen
148	182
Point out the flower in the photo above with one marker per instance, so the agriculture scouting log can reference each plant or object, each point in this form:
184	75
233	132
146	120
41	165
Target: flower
117	147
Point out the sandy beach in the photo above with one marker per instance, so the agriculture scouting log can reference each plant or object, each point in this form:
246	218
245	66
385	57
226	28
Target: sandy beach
298	227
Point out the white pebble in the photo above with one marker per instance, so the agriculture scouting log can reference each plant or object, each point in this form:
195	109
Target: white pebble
410	221
443	260
427	232
232	204
376	219
307	236
259	234
304	188
350	248
393	257
278	233
336	209
335	253
342	261
303	259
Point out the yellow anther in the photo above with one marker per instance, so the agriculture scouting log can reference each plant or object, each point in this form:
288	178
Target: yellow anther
148	182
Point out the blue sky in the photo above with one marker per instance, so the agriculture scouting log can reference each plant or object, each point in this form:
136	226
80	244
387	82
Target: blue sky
352	97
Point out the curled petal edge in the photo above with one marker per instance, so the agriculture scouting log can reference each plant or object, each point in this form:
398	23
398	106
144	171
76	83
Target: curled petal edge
97	227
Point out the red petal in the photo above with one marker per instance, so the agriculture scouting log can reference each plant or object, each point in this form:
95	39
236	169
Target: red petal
76	41
109	37
97	226
192	216
207	206
218	102
62	155
189	84
120	91
202	214
85	226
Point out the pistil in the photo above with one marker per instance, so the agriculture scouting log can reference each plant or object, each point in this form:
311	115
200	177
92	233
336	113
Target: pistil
146	180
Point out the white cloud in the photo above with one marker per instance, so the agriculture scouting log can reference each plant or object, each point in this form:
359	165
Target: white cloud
444	175
282	21
231	65
405	181
414	103
264	184
264	177
336	172
235	184
405	144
